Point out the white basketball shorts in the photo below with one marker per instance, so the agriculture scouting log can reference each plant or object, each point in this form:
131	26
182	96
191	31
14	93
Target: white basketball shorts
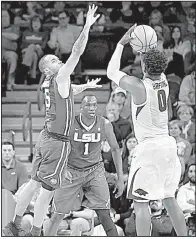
155	170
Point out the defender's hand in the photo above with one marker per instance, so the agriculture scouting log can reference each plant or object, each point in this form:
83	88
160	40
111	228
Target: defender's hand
93	83
91	19
127	37
119	187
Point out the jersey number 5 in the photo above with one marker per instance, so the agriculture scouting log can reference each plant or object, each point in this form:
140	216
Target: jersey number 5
86	148
47	98
162	100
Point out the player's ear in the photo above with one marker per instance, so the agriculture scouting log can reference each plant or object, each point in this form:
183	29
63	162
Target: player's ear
46	71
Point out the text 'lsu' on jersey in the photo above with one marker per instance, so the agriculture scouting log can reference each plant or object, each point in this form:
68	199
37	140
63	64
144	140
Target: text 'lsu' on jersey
151	118
86	142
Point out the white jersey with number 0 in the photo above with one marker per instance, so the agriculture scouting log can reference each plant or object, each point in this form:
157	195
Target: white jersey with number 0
150	119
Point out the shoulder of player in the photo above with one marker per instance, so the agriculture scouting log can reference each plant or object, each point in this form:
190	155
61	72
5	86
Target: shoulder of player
106	122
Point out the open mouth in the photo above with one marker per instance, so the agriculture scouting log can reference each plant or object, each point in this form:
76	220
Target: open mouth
92	113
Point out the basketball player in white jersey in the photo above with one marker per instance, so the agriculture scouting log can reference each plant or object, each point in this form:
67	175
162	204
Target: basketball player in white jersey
155	170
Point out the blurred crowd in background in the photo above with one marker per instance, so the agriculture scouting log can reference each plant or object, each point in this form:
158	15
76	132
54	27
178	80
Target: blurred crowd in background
32	29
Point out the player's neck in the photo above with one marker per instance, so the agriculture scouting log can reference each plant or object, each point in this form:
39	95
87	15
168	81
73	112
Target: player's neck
87	121
153	78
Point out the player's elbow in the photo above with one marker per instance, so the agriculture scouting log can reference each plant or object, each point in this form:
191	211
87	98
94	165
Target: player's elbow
110	72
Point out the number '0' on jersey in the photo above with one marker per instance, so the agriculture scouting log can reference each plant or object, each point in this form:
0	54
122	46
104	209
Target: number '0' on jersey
150	119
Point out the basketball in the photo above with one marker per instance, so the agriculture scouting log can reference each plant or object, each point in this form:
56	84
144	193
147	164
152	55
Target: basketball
143	39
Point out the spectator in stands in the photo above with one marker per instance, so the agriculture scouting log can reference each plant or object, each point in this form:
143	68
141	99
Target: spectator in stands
61	46
31	9
128	151
99	231
185	115
156	5
123	100
183	146
161	223
179	45
14	173
187	90
33	44
174	72
156	18
160	38
170	15
122	127
10	35
186	193
190	60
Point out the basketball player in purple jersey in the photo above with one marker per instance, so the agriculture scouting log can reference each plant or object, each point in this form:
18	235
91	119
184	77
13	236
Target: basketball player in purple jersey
52	147
87	169
155	170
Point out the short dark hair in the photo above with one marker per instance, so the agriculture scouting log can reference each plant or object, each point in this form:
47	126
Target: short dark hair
89	95
155	62
9	143
64	11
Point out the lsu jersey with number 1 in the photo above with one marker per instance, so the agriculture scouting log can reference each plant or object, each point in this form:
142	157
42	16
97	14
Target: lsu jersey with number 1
150	119
86	142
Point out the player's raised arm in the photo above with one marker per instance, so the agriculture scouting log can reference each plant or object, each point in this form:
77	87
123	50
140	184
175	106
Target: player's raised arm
116	155
79	46
77	89
131	84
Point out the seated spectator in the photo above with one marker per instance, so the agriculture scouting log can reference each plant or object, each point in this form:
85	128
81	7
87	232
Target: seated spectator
190	60
128	151
33	45
161	223
14	173
122	127
185	115
170	15
187	90
179	45
184	147
156	5
123	100
31	10
160	38
99	230
125	14
10	35
186	194
156	18
175	62
57	39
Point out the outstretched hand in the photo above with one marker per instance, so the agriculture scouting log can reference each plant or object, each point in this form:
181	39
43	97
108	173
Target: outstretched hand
127	36
91	18
93	83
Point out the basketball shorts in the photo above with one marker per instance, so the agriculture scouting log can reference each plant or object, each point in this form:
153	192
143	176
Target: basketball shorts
49	161
94	185
155	170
